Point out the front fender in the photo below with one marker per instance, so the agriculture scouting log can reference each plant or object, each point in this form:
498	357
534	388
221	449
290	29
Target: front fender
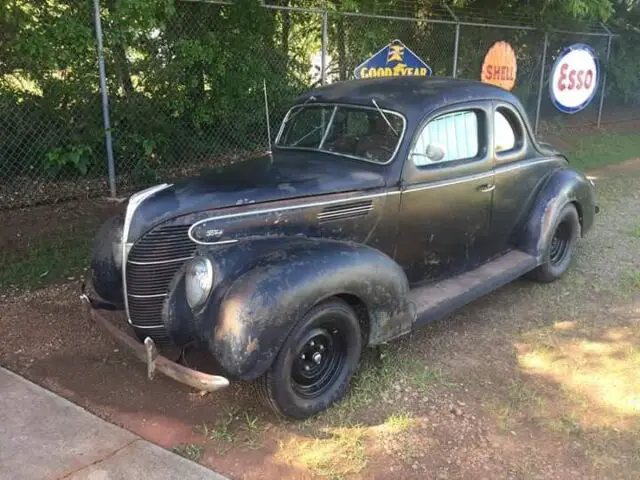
563	186
262	297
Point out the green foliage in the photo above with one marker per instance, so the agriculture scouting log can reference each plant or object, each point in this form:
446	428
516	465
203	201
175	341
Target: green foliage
76	157
185	78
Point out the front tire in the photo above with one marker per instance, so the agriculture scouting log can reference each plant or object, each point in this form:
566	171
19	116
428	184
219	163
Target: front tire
559	248
315	365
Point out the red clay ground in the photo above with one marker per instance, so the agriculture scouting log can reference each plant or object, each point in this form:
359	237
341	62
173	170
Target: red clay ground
534	381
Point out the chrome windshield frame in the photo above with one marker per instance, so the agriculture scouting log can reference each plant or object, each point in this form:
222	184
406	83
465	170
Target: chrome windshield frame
334	109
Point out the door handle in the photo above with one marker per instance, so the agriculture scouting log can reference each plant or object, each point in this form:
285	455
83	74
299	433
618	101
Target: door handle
487	187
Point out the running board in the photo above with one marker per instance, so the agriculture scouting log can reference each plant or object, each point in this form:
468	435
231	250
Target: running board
435	301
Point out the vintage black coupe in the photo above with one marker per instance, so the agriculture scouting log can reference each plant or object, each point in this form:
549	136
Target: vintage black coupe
384	204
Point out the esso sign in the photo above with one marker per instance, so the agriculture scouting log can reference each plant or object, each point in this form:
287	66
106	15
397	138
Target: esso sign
574	78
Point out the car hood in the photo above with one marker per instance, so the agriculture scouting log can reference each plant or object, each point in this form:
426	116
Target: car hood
286	175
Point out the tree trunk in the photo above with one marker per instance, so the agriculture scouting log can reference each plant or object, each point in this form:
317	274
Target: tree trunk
342	49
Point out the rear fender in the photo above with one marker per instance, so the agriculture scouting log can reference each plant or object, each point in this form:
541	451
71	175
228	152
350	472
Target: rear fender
262	297
563	187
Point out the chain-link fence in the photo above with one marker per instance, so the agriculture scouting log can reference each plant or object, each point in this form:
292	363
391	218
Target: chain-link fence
185	80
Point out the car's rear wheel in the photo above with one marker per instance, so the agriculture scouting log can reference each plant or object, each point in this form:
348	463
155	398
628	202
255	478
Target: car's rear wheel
315	365
560	246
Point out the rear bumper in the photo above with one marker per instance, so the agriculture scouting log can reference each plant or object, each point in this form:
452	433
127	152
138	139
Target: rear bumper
148	354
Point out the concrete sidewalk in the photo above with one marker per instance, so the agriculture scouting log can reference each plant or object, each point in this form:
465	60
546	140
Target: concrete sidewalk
44	436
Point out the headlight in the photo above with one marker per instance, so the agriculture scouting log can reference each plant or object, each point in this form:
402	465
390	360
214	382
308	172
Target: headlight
198	282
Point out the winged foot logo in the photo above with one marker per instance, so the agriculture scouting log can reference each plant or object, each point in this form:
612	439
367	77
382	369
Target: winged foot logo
394	60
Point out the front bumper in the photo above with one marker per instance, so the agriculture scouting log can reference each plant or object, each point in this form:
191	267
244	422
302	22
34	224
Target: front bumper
148	354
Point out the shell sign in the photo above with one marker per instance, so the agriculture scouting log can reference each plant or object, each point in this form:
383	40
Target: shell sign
574	78
500	66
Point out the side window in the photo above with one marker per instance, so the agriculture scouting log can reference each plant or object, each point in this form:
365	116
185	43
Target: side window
453	136
508	134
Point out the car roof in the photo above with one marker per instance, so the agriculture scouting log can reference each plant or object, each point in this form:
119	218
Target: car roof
408	94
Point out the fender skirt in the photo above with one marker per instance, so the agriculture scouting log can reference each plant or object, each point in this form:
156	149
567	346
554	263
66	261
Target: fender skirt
267	286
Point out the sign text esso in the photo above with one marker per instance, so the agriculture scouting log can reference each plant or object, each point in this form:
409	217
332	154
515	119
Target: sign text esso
574	78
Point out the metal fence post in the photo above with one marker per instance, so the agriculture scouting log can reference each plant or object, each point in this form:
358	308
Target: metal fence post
325	47
455	51
544	63
604	79
457	41
105	99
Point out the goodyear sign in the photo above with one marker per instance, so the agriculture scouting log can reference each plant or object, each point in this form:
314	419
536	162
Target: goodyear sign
394	60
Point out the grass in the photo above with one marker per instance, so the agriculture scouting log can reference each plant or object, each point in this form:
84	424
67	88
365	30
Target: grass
50	260
233	428
393	378
190	451
603	149
340	453
631	281
635	231
397	423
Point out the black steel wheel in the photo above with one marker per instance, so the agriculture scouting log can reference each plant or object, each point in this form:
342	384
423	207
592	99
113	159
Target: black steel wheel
560	243
559	246
316	363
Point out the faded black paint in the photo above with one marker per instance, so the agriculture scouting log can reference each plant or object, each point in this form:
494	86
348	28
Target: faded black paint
289	259
266	286
254	183
562	187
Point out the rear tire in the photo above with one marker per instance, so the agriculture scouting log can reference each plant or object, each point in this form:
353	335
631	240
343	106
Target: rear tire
315	365
559	247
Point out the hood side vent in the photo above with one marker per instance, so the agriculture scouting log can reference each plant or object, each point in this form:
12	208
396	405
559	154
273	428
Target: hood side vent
345	210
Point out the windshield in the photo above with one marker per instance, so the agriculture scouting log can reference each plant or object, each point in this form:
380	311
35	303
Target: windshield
359	132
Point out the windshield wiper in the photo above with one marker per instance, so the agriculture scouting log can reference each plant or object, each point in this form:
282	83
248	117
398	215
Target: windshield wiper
375	104
311	132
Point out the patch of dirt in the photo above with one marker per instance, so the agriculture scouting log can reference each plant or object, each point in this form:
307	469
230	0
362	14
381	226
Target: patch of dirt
623	168
513	396
23	227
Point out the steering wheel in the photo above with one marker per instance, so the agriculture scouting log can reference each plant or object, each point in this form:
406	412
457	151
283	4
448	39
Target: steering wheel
378	152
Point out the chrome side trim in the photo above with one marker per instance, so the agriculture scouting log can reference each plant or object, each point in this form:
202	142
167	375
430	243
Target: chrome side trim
282	209
439	184
445	183
160	262
220	242
519	165
155	295
134	202
478	176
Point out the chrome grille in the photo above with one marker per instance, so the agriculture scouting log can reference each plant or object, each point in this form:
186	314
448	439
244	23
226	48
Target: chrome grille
151	265
166	243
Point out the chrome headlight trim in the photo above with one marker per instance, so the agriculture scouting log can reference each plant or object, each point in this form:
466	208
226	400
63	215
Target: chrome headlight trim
199	278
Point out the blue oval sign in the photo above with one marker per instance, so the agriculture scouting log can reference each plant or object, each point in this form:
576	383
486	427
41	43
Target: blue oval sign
575	77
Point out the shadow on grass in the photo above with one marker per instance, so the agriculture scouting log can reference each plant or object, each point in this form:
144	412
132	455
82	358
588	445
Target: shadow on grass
50	259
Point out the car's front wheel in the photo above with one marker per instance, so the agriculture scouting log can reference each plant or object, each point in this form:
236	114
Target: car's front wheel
560	246
315	365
